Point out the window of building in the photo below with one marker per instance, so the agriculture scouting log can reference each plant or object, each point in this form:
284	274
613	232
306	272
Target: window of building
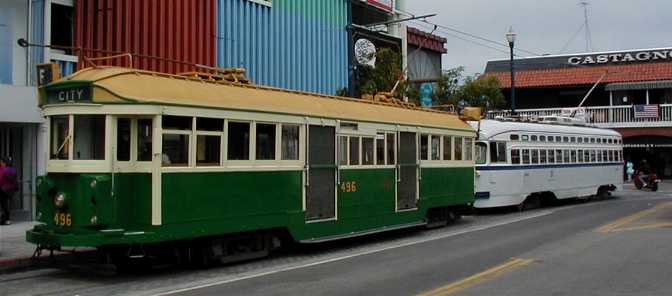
468	149
208	150
436	147
458	148
481	153
447	147
498	152
290	142
89	134
238	141
354	151
265	141
145	139
543	157
380	149
391	147
367	151
123	139
62	26
515	156
175	150
343	150
424	147
60	137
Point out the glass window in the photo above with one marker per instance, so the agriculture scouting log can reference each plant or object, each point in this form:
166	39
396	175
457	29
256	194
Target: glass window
580	155
558	139
290	142
208	150
514	137
145	139
60	137
436	147
533	138
354	150
565	139
458	148
592	156
542	138
526	156
573	155
176	122
89	134
565	156
611	155
542	156
380	149
535	156
238	141
592	140
343	150
551	139
481	153
391	147
551	156
265	141
605	156
497	152
599	156
175	150
424	147
515	156
447	147
572	139
210	124
525	138
580	140
586	156
123	139
558	156
468	149
367	151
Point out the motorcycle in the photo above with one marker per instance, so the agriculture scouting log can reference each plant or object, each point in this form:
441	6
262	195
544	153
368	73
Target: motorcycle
651	181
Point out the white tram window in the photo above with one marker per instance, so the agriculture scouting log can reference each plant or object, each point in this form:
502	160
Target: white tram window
290	142
123	139
265	148
592	140
424	147
526	156
238	141
515	156
586	156
208	150
551	139
565	139
89	134
498	152
558	139
525	138
343	150
558	156
436	147
573	156
592	156
60	137
580	139
535	156
533	138
565	156
210	124
468	149
175	150
551	156
481	153
605	156
572	139
542	138
380	149
367	151
611	155
580	155
391	147
543	156
447	148
354	151
458	148
599	156
144	140
176	122
514	137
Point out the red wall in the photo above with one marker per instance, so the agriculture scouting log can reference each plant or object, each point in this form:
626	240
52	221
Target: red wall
174	30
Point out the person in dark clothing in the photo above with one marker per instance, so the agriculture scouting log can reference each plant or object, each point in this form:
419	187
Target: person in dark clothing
8	186
645	171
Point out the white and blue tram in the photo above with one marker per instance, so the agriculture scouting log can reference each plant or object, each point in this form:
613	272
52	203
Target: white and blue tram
522	163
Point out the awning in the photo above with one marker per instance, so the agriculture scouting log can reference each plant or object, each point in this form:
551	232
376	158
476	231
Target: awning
639	85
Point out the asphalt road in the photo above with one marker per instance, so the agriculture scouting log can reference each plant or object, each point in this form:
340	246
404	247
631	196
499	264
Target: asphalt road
615	247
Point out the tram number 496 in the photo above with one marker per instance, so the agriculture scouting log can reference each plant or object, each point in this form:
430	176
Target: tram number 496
349	186
62	219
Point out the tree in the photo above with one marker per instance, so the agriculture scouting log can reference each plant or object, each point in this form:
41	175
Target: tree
482	92
383	77
448	87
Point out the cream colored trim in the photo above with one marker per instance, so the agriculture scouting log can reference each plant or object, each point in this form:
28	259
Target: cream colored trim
71	135
260	168
157	143
49	110
452	164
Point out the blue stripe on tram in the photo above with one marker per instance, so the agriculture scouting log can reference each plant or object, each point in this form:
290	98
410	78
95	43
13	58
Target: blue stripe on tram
545	166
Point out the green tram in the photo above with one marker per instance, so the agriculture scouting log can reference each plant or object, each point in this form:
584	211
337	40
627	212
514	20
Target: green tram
141	163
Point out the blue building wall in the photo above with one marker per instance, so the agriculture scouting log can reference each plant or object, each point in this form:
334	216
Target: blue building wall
36	36
294	44
5	47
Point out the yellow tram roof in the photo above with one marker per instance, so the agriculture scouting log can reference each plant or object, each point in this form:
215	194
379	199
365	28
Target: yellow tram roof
125	85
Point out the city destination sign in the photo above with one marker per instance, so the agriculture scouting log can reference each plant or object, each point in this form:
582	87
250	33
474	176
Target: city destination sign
69	95
623	57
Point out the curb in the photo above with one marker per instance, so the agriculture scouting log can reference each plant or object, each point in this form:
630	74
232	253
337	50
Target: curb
17	264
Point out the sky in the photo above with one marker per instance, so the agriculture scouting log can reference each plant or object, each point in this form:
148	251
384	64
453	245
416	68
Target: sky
544	26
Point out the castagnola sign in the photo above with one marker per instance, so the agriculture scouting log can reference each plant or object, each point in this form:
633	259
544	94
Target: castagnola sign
623	57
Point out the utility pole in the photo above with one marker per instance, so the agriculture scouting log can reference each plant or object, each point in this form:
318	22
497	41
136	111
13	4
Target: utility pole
589	41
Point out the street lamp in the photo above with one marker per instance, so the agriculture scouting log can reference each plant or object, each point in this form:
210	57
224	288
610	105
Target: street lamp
511	38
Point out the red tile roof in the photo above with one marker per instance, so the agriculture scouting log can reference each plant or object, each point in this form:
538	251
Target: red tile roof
586	75
426	40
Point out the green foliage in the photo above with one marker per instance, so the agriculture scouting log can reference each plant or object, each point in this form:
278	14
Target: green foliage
448	87
482	91
383	77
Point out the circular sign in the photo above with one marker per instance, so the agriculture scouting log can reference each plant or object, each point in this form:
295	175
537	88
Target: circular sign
365	52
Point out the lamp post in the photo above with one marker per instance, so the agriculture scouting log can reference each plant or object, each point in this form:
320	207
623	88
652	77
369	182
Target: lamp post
511	38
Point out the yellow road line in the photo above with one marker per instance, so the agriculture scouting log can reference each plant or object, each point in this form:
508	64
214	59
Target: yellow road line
611	227
473	280
645	226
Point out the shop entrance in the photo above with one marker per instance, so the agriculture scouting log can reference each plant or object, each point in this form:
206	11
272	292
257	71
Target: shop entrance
656	150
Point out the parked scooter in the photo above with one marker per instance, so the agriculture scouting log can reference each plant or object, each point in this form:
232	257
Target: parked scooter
651	181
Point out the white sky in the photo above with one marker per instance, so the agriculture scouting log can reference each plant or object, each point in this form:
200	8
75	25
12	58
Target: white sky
544	26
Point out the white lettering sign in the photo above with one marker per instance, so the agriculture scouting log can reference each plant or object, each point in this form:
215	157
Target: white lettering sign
641	56
70	95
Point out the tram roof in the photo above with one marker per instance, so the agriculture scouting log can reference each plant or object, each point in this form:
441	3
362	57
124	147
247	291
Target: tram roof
490	128
132	86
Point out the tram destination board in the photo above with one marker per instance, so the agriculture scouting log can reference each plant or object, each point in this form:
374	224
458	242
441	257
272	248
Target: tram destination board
77	93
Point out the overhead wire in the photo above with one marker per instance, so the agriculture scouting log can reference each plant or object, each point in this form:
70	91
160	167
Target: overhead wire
443	32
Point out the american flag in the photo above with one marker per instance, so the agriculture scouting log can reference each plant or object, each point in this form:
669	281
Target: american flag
646	111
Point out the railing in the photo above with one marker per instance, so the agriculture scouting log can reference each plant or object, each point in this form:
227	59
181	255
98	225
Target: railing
603	116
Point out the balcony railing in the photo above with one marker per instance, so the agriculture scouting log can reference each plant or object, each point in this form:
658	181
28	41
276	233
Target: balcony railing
604	116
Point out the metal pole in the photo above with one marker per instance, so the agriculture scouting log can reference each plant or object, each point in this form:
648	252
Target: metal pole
351	52
513	82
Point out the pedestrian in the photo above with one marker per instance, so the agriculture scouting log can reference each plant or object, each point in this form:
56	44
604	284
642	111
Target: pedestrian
629	170
8	187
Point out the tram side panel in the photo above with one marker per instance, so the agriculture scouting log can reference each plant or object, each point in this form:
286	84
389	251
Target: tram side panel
498	186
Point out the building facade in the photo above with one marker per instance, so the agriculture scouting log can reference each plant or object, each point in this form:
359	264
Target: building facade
632	94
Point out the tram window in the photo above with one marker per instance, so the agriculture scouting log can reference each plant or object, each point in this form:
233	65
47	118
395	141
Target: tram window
447	147
533	138
60	137
580	155
592	140
565	156
343	150
175	150
354	150
605	156
391	147
551	156
238	141
89	134
586	156
497	152
514	137
558	156
599	156
123	139
526	156
290	142
515	156
481	153
580	140
551	139
558	139
573	156
542	156
367	151
210	124
535	156
144	140
176	122
208	150
265	141
565	139
592	156
572	139
380	149
611	155
525	137
424	146
458	148
468	149
436	147
542	138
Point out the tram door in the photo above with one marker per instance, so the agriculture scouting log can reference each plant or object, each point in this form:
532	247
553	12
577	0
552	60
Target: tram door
321	174
407	187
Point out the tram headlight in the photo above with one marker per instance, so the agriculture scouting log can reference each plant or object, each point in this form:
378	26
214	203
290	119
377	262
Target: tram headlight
93	184
59	200
94	220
